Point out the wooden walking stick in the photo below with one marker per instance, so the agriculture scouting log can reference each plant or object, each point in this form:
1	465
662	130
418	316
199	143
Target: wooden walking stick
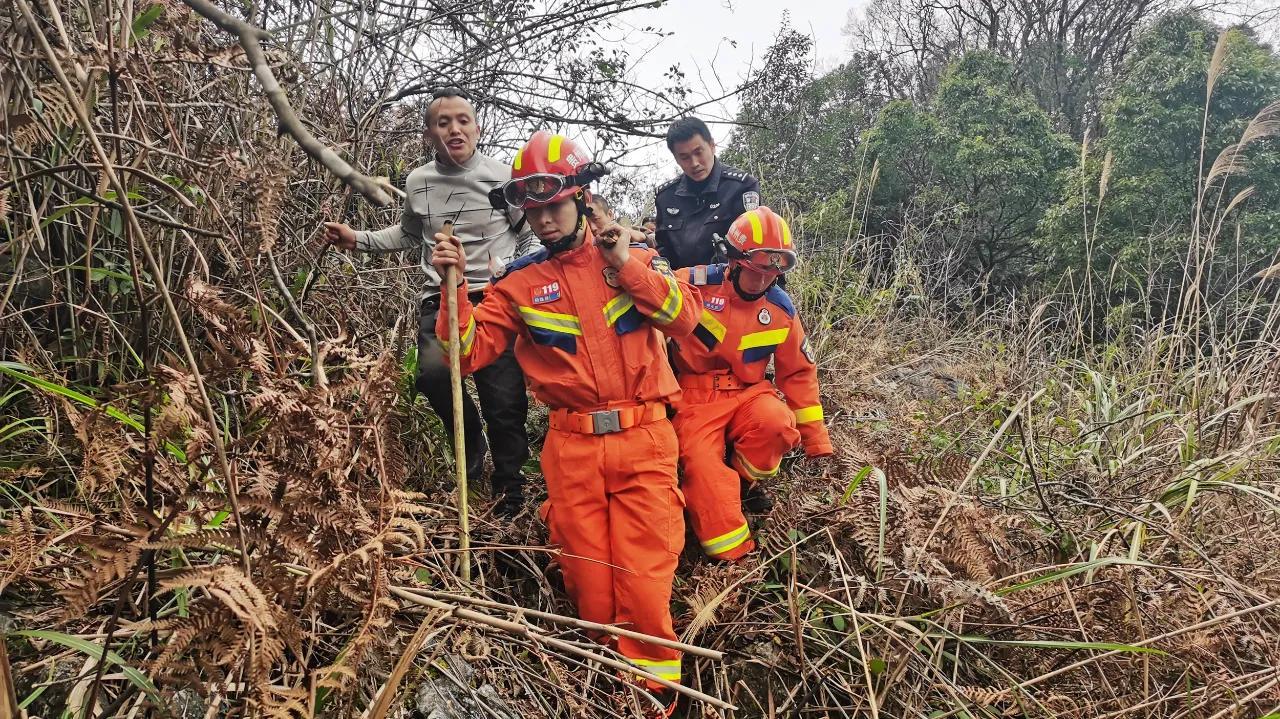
459	440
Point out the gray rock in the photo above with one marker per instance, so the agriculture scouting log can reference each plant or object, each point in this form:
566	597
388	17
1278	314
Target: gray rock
449	695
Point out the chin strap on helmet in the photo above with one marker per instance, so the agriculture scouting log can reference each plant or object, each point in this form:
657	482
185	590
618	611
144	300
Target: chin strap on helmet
562	244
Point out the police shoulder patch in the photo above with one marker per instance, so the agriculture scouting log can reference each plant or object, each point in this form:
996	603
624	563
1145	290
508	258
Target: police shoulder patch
520	263
750	200
779	297
735	174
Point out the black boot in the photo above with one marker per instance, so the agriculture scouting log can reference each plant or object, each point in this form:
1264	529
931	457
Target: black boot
755	500
667	700
477	449
508	495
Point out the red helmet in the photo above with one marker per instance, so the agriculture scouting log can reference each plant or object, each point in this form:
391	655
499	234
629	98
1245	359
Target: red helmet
548	169
761	239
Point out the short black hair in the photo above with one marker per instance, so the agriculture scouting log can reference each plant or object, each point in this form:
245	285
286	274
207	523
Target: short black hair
599	199
649	218
441	93
687	128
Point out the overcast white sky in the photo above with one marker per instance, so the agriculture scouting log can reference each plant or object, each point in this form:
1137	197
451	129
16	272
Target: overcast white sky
716	43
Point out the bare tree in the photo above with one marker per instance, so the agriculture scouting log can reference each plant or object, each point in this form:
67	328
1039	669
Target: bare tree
1064	50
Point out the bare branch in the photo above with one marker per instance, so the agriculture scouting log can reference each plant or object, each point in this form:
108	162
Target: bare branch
251	39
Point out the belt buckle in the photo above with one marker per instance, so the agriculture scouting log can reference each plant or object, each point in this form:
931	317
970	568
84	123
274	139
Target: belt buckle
715	382
606	421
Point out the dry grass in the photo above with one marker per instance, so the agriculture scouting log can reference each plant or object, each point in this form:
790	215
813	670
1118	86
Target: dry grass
1018	523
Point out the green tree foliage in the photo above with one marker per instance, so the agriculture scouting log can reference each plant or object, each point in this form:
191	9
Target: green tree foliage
1062	51
801	135
979	164
1132	205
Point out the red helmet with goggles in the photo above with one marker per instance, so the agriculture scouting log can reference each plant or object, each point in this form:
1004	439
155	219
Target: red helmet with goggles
548	169
760	239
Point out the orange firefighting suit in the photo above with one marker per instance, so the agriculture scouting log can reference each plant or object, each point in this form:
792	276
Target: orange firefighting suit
588	339
726	398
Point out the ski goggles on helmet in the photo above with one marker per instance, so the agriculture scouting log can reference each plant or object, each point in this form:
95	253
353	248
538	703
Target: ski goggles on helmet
541	187
763	259
780	261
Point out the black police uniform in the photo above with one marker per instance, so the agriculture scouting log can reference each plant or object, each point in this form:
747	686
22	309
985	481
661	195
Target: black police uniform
687	219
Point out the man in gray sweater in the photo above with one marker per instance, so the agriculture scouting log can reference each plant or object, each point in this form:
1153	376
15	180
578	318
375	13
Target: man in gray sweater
456	187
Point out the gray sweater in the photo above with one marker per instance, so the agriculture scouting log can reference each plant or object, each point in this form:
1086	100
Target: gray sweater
435	193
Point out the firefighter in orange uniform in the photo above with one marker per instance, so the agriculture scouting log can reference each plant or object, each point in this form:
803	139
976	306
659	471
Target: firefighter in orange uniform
587	318
746	320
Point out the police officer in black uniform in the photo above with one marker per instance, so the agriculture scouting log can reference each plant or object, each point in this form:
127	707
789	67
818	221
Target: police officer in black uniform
703	201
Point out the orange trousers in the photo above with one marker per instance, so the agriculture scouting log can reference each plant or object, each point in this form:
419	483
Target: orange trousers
762	429
616	511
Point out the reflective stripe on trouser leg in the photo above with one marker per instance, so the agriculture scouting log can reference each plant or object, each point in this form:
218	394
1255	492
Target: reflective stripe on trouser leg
579	520
668	669
750	472
710	486
727	542
762	430
646	533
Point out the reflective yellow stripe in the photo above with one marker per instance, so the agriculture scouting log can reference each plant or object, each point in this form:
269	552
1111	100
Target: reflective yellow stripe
553	149
786	233
553	321
752	471
757	232
764	339
809	414
468	338
727	541
668	669
713	326
672	305
617	307
519	157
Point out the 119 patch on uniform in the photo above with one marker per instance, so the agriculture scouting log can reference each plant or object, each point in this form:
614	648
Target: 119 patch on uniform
715	304
546	293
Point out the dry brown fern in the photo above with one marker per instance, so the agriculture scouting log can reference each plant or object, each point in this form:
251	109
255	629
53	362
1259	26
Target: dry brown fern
985	696
270	186
47	113
19	546
323	511
110	450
